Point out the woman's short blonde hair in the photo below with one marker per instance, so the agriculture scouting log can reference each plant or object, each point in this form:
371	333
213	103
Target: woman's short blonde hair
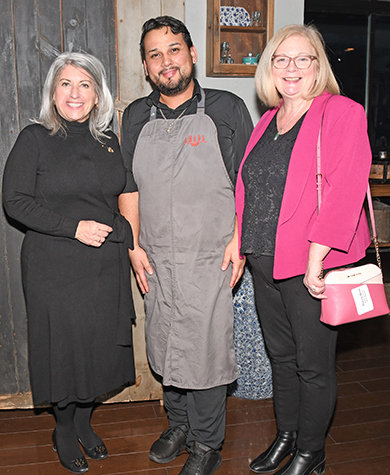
264	81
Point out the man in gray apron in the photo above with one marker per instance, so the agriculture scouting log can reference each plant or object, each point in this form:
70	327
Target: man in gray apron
179	199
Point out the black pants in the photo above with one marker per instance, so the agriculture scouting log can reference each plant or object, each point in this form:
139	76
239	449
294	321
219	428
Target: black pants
302	353
202	411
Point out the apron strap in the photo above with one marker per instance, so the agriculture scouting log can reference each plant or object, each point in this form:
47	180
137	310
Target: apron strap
201	103
153	113
199	110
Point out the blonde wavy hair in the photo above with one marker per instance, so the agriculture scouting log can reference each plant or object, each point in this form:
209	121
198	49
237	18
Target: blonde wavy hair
265	85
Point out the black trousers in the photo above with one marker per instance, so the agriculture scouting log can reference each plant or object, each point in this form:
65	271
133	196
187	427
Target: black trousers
202	411
302	354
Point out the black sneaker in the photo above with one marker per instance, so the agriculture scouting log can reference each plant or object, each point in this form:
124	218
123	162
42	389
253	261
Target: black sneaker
171	443
202	460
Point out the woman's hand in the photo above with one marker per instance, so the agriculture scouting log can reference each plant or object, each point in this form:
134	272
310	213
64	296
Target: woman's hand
312	280
92	233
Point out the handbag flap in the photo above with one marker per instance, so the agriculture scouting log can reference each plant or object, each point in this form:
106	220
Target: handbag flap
369	273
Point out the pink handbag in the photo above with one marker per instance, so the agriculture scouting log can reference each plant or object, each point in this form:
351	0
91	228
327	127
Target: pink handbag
354	293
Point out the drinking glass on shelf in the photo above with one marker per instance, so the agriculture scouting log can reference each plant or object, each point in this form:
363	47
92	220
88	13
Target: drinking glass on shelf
226	52
256	19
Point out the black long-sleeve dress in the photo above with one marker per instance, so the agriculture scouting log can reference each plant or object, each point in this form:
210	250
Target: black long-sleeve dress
78	297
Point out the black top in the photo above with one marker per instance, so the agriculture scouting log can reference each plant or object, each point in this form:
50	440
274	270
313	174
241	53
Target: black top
264	175
228	112
52	182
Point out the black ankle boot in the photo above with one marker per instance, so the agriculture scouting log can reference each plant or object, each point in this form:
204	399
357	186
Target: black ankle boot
284	444
304	462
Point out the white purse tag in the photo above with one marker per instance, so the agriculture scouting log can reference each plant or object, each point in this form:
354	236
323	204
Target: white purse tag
363	300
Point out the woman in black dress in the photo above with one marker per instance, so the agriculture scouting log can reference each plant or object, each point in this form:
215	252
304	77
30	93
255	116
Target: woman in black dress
61	181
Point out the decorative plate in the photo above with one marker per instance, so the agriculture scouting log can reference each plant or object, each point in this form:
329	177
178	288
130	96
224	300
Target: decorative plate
234	16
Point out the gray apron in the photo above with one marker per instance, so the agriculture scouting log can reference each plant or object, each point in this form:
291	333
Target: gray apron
187	212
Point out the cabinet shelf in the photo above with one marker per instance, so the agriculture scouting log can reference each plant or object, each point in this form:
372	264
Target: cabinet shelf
242	39
243	29
244	70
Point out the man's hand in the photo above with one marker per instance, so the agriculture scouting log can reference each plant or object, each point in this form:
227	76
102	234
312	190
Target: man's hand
129	208
232	255
140	263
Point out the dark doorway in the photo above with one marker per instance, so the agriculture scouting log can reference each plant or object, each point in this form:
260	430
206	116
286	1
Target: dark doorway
357	36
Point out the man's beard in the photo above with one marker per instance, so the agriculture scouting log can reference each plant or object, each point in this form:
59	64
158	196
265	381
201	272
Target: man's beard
174	89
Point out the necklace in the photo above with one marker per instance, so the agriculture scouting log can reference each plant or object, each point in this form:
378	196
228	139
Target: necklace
171	124
282	128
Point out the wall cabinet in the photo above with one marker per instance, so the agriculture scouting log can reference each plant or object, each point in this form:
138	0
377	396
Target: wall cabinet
246	25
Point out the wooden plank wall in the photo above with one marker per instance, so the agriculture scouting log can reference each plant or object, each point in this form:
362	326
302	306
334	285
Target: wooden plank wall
32	33
130	18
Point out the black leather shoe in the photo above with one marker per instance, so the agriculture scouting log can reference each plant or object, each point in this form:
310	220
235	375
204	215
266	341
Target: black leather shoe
284	444
171	443
98	452
304	463
79	465
202	460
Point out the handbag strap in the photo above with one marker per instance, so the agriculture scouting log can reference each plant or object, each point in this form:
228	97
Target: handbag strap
368	193
319	174
375	237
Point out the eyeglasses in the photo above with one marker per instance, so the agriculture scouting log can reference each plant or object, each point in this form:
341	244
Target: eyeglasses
301	62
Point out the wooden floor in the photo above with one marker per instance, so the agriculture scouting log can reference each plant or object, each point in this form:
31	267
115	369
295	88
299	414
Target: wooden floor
358	442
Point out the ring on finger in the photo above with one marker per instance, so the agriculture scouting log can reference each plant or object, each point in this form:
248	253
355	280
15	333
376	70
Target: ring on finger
313	289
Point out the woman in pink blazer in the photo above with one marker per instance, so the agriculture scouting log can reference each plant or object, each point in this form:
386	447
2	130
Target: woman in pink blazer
287	243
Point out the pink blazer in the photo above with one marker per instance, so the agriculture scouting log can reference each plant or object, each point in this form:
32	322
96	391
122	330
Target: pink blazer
346	160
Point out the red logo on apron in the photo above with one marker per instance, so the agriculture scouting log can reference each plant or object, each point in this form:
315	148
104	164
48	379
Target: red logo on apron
193	141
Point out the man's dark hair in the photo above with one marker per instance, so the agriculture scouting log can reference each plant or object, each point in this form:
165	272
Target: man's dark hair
174	24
